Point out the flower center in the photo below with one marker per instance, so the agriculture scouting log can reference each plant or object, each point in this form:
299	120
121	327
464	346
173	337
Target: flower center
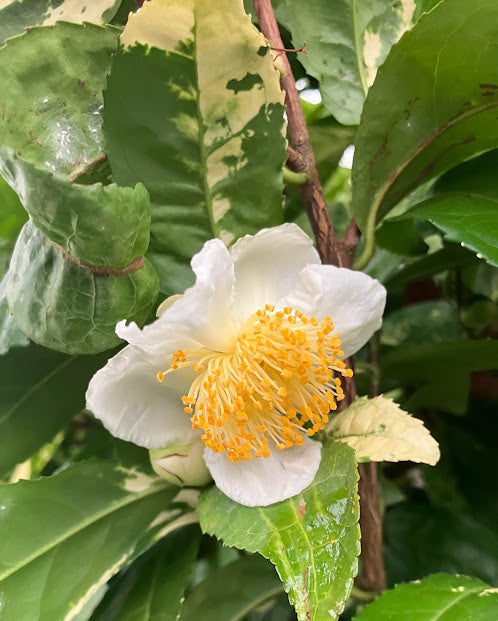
278	383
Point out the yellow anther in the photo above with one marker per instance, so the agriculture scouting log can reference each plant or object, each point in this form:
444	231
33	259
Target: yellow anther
280	374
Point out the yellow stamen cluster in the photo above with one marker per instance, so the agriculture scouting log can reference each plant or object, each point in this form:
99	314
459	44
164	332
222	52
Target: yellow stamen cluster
278	383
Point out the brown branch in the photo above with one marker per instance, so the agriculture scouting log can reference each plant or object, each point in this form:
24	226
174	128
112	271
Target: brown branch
336	252
301	156
372	576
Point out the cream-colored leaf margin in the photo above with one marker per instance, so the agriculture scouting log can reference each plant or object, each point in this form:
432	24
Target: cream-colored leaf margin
226	49
79	11
379	430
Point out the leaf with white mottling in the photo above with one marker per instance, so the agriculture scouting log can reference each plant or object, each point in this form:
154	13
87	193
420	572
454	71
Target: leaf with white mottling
379	430
346	41
16	15
193	110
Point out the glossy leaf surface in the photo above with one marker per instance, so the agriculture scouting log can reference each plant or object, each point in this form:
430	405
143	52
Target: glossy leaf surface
41	391
232	591
200	123
312	538
441	597
415	129
152	589
90	511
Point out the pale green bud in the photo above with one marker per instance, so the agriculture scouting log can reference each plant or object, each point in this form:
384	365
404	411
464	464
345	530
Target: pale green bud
181	464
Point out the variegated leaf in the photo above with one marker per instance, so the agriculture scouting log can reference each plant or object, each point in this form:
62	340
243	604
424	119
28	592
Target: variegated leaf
193	109
379	430
16	15
359	35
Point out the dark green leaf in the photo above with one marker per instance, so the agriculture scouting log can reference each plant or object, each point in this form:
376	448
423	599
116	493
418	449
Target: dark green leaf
468	219
312	538
435	322
421	539
477	176
152	589
41	391
66	535
447	258
232	591
12	214
416	128
424	362
440	597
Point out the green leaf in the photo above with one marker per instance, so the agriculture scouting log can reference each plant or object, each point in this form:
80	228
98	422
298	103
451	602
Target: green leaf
441	597
424	362
55	123
42	390
84	306
312	538
213	162
415	129
420	538
469	219
449	257
434	321
66	535
10	333
378	430
359	34
232	591
65	144
12	215
16	15
153	587
477	176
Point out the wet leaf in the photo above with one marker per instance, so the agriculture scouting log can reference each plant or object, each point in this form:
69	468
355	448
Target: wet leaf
312	538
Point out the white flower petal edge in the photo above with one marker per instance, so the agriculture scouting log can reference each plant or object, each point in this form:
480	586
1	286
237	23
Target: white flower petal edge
203	315
354	301
126	396
267	265
263	481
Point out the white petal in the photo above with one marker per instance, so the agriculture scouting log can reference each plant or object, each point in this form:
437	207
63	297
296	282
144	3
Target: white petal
354	301
202	316
262	481
205	310
134	406
267	266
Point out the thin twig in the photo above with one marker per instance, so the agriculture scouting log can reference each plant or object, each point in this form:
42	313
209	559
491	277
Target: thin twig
301	156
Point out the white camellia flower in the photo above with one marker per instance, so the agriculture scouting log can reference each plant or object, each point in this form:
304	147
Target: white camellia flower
249	361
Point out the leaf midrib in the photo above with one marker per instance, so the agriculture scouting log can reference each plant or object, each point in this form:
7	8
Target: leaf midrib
35	387
80	527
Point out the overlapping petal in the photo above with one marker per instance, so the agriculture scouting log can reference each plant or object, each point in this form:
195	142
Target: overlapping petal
134	406
267	266
262	481
354	301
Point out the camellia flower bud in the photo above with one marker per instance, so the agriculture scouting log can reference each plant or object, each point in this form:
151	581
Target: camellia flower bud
181	464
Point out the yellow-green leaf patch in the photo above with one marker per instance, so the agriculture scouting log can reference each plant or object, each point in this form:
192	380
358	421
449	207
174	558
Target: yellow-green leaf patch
379	430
